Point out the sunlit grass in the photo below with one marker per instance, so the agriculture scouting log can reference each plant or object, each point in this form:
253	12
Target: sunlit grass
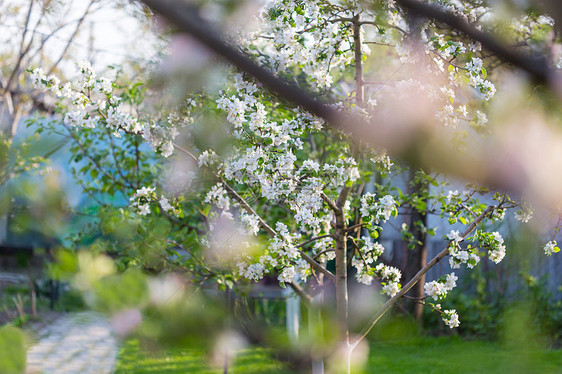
454	355
424	355
133	359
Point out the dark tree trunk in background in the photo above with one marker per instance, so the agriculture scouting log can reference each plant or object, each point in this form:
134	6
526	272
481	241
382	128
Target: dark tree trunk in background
416	258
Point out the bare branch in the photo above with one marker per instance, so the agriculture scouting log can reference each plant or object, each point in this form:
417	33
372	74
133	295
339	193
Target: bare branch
72	37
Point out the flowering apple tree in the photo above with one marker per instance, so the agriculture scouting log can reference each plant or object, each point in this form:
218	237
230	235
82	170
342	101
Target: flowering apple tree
293	198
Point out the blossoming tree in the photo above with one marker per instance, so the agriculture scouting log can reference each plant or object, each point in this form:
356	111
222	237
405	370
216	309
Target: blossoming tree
293	198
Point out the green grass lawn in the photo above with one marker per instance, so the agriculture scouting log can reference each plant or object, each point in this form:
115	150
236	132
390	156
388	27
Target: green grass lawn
454	355
427	355
133	359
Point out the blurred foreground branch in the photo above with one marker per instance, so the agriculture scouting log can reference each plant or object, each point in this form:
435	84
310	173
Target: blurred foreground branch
500	161
535	65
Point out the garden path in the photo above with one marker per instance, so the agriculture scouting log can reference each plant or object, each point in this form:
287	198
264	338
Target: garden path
75	343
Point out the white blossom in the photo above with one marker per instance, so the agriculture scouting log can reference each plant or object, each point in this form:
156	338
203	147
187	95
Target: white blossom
218	196
141	200
439	288
165	204
451	318
551	247
455	236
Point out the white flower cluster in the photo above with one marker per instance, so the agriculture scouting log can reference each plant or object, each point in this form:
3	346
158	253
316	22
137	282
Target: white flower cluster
94	104
87	82
474	70
207	158
117	120
380	210
308	203
439	288
316	51
218	197
50	83
160	137
254	271
270	171
480	119
245	111
524	214
451	318
142	198
455	236
383	161
298	271
494	243
390	277
282	253
165	204
446	48
283	243
251	223
450	116
551	247
453	196
459	256
342	171
322	248
527	25
367	255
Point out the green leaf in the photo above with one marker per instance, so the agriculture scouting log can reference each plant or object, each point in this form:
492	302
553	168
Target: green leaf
484	73
463	220
12	350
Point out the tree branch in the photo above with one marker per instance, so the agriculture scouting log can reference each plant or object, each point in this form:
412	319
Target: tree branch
186	18
301	292
331	277
262	222
486	165
358	60
72	37
417	277
314	239
355	226
330	203
342	198
536	65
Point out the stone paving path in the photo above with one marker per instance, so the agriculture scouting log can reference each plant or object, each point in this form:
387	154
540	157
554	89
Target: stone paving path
75	343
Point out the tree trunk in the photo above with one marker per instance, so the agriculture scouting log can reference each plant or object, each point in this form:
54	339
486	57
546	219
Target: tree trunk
315	317
341	276
416	258
341	286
